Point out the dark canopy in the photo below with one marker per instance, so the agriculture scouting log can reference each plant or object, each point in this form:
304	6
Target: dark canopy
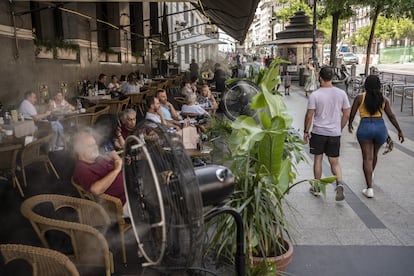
232	16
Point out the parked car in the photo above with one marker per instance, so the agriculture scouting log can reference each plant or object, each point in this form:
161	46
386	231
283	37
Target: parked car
349	58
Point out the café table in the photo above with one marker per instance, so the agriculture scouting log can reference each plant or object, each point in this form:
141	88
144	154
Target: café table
20	128
96	99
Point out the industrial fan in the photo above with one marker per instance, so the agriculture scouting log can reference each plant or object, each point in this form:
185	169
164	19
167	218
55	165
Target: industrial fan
166	196
236	99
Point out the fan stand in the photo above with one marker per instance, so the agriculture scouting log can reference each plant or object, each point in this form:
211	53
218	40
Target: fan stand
240	258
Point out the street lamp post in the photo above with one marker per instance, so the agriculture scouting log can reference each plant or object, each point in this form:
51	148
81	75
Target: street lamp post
312	3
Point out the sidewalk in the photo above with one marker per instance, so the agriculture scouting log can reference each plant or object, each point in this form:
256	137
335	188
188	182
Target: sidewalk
357	236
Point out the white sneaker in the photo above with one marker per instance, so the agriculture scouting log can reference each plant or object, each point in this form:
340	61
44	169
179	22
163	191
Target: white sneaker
368	192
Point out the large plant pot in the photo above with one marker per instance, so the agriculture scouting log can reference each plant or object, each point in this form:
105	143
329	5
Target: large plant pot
281	261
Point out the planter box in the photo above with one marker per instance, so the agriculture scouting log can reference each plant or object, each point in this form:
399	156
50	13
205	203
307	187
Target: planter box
43	53
112	57
102	56
67	54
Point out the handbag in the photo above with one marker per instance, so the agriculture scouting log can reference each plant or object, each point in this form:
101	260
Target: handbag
389	146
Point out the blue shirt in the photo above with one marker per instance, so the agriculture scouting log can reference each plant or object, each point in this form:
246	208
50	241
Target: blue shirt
166	113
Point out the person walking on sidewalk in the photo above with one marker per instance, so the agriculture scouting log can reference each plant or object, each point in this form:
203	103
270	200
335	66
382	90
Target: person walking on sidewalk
372	132
287	82
328	108
310	84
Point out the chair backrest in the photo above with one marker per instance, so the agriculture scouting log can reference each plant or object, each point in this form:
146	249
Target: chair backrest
88	244
8	156
99	110
44	262
116	106
137	99
180	101
111	204
36	150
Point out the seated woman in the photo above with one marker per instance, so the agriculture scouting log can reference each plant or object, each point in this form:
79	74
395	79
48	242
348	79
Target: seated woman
114	87
192	108
58	103
207	100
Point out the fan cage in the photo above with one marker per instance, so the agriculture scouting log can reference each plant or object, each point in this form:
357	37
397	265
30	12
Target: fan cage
237	98
164	197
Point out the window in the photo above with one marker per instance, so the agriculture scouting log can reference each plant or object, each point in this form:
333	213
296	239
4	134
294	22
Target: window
47	23
137	28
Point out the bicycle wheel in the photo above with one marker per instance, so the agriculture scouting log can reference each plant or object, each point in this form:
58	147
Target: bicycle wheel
236	99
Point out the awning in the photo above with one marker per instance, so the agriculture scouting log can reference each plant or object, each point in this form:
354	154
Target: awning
198	39
232	16
212	41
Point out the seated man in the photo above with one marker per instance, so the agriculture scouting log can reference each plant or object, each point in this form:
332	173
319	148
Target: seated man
101	83
97	173
154	113
29	112
168	111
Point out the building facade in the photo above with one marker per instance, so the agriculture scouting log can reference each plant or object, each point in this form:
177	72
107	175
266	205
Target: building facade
49	46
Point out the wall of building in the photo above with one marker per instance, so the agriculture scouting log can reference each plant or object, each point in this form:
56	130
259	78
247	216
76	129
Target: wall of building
23	69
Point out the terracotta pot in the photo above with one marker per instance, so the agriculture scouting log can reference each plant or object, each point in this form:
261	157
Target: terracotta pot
281	261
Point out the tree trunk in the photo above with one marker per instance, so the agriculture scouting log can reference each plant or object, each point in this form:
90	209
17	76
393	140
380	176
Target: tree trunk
334	38
371	37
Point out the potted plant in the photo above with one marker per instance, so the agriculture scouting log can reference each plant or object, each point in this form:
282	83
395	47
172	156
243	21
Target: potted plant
56	48
108	55
264	152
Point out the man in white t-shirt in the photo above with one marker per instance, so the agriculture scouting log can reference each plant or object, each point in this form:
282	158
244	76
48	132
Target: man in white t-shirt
329	109
28	109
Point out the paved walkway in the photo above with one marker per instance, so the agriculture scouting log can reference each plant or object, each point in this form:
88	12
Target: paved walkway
357	236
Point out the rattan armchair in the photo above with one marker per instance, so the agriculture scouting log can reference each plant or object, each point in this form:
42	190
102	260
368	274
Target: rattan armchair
113	207
44	261
37	151
138	102
90	247
116	106
8	157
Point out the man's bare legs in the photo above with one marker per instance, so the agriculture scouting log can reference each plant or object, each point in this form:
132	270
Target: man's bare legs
336	168
317	166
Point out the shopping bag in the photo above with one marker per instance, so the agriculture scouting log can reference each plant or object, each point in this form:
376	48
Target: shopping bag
190	137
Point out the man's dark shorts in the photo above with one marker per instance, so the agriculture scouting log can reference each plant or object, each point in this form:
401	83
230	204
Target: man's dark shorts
329	145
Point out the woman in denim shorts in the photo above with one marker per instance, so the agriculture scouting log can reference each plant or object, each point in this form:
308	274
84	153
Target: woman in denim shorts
372	132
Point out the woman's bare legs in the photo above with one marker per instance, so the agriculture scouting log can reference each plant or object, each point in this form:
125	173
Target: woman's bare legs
368	157
376	150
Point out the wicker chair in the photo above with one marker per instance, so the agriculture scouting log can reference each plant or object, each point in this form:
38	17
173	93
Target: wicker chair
138	102
77	121
44	262
97	111
8	156
90	247
116	106
37	151
113	207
